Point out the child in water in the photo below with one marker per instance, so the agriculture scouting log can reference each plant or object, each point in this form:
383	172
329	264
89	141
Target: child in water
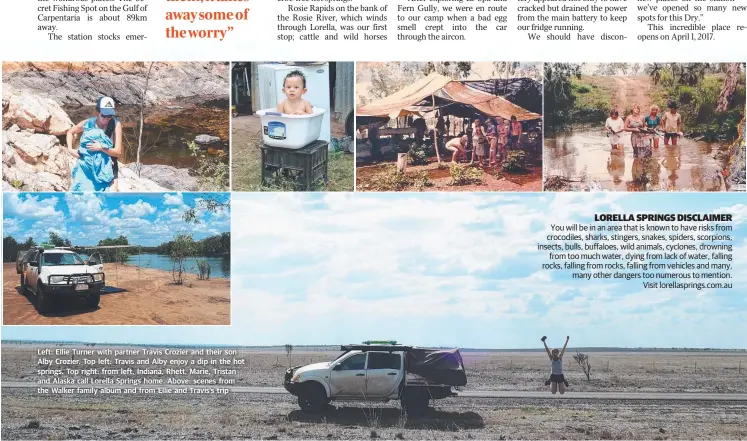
557	380
294	87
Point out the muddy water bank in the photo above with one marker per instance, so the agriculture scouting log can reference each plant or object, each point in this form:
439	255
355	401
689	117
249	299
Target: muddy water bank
582	156
168	128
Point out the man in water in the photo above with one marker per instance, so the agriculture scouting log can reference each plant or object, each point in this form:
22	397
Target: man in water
671	122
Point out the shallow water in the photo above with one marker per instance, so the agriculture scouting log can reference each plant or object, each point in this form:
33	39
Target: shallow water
219	267
167	129
584	156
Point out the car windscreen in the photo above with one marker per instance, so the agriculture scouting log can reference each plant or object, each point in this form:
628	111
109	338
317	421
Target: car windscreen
59	259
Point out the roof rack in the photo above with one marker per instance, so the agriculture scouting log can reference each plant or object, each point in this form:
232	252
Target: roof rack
376	347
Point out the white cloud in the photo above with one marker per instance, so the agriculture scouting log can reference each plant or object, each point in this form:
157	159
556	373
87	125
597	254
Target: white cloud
173	199
88	208
30	206
137	210
738	212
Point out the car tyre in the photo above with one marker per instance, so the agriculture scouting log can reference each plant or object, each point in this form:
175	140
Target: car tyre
43	300
23	283
93	300
313	398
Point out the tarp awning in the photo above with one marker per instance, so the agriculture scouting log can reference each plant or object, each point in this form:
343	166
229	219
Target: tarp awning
438	366
396	104
490	105
418	98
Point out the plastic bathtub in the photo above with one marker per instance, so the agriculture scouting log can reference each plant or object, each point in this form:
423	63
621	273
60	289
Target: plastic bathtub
290	131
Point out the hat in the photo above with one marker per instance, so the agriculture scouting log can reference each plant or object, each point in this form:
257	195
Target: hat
105	105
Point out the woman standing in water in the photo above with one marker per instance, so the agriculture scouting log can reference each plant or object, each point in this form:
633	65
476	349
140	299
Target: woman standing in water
614	127
653	121
633	124
557	381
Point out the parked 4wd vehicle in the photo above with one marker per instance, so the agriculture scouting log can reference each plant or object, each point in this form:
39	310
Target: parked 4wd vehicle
371	372
58	272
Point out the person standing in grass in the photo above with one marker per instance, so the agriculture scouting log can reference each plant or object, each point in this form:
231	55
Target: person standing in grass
557	381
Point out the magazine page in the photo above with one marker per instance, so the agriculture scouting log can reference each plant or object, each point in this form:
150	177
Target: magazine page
468	219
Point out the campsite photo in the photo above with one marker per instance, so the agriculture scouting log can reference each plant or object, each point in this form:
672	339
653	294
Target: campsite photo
448	126
115	127
644	127
104	259
292	126
394	330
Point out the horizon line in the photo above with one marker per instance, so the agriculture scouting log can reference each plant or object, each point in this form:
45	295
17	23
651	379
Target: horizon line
618	348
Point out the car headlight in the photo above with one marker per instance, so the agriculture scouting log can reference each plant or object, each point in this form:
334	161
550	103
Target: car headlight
295	378
98	277
57	279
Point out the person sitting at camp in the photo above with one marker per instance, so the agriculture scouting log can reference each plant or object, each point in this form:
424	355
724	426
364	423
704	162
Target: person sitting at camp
458	146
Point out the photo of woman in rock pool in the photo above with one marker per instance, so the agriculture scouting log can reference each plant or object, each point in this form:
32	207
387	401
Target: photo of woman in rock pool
115	127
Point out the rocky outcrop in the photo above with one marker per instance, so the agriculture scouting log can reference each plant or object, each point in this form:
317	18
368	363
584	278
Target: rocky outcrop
206	140
33	158
169	177
27	111
83	83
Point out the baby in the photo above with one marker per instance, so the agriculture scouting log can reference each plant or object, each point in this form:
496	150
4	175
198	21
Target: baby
294	87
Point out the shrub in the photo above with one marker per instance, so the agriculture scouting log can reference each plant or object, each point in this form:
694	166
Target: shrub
464	175
516	162
583	89
203	267
583	361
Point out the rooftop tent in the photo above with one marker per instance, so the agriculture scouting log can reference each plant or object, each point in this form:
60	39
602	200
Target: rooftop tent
398	103
438	366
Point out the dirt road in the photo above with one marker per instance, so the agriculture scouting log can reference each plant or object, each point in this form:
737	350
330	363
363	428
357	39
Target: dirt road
134	296
544	395
28	415
632	90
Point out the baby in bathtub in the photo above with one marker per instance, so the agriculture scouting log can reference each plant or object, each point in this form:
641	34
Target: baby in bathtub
294	87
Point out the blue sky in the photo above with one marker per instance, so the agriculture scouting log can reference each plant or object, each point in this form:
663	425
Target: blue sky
85	219
444	270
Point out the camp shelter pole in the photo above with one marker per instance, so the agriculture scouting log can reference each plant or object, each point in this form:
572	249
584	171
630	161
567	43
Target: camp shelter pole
435	140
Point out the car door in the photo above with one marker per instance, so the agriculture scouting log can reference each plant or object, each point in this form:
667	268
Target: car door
383	373
32	269
348	378
95	263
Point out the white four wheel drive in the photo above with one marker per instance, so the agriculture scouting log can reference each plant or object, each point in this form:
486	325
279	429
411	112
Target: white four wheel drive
51	273
376	372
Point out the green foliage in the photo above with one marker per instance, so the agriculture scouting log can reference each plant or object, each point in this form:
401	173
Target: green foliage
182	247
218	245
16	184
465	175
203	267
583	89
58	241
417	154
212	171
558	96
516	162
116	254
391	179
211	204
